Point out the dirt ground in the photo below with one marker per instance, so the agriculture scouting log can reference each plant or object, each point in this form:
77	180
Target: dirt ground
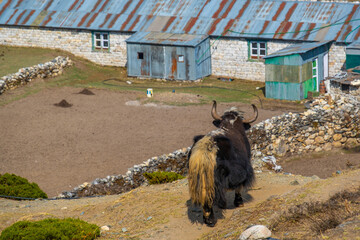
164	212
108	132
99	135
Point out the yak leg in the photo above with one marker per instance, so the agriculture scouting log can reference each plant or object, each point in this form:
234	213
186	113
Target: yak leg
238	201
209	216
221	201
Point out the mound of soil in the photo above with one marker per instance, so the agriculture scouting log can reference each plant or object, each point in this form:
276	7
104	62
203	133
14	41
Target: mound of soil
86	91
63	104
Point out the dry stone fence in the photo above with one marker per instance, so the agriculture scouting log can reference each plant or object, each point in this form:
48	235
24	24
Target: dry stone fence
24	75
332	121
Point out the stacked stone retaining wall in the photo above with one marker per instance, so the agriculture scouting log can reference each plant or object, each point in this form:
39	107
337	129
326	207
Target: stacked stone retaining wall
25	75
333	121
173	162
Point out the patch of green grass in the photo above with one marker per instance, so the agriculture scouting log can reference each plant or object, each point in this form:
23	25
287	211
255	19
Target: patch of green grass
86	74
209	88
12	185
51	229
14	58
162	177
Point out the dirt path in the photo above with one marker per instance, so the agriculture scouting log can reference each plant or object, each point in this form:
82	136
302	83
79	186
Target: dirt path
164	211
100	135
149	212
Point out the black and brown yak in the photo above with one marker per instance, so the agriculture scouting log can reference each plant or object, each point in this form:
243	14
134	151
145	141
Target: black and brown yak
221	161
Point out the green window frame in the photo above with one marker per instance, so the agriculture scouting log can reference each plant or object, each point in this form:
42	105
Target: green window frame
257	50
315	74
101	41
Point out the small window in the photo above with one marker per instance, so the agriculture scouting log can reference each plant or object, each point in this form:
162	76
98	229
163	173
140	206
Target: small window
101	41
140	55
257	50
180	58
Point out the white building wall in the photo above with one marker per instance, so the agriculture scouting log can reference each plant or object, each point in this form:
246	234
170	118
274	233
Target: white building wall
77	42
337	59
230	59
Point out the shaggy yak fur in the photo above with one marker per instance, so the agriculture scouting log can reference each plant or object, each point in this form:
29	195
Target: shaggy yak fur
220	161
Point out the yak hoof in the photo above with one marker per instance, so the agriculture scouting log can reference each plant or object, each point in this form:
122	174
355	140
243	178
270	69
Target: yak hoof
238	202
210	222
209	218
222	204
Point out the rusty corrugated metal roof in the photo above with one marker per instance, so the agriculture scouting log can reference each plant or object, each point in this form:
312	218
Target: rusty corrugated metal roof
297	49
163	38
354	45
270	19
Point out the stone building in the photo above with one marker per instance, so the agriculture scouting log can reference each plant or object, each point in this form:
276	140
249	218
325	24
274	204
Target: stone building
241	32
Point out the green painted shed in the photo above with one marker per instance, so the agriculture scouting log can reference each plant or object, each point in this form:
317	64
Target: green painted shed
353	55
292	72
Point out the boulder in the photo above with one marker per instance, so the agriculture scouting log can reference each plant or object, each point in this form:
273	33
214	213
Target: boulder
255	232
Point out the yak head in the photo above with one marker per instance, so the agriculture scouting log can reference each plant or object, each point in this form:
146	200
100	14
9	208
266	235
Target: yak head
233	118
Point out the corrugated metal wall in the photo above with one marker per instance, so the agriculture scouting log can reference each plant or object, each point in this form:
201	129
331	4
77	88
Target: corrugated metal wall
203	59
290	82
288	90
352	61
280	90
138	67
289	60
283	73
162	61
353	55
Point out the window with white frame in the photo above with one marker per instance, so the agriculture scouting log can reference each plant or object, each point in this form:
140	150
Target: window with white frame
257	50
101	41
180	58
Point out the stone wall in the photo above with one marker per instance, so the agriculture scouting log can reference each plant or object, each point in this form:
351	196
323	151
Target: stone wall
173	162
25	75
78	42
337	58
332	121
230	58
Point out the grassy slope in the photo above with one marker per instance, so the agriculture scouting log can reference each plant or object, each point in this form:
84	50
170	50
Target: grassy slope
87	74
13	58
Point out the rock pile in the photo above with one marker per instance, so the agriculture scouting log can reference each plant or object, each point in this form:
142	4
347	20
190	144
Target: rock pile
333	121
24	75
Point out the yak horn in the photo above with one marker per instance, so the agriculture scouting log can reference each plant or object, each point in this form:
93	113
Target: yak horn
254	117
214	114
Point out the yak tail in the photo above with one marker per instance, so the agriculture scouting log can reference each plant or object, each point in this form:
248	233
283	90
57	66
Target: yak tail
202	163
